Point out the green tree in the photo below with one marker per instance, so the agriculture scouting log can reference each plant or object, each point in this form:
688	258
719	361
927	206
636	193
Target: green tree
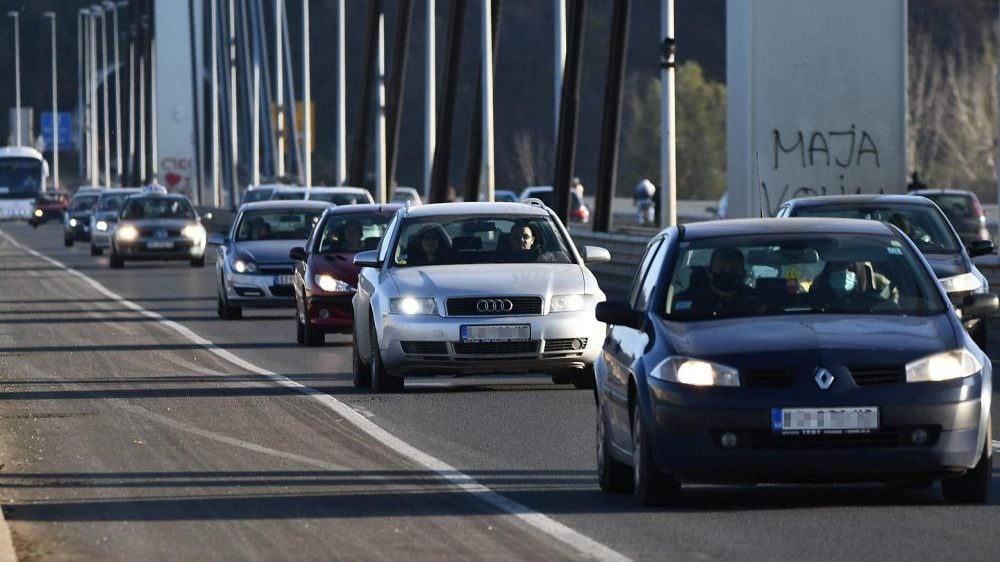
700	138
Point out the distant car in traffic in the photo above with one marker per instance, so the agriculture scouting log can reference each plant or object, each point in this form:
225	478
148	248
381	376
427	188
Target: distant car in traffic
252	264
104	219
808	350
288	193
76	221
262	192
157	226
721	209
579	212
465	288
50	205
407	194
325	277
341	195
963	210
922	220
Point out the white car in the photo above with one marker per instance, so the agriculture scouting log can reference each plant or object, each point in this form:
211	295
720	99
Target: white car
407	195
341	195
105	217
503	289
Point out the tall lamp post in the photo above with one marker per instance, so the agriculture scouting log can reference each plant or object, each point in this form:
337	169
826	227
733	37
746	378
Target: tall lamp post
118	92
55	106
17	74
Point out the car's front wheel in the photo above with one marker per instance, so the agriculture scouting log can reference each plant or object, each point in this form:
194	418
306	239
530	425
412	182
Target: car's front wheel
381	380
68	242
650	487
974	485
95	251
362	373
980	335
114	260
227	311
613	476
198	262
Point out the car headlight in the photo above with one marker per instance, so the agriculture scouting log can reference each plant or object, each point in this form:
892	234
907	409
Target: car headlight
102	226
413	305
570	303
193	232
948	365
963	282
244	266
73	222
331	284
127	233
695	372
39	213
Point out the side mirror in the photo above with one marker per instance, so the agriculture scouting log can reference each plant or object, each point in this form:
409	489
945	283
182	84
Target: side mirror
216	239
980	306
980	248
297	253
618	313
595	254
367	259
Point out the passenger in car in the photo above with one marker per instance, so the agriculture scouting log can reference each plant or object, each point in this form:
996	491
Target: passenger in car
723	290
429	247
852	286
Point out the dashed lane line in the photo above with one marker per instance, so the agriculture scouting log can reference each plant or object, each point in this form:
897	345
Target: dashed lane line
581	543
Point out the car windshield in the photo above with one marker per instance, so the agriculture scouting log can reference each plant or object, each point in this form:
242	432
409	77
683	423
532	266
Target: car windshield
340	199
277	224
157	208
20	178
83	203
257	195
351	233
288	195
794	274
927	227
484	239
112	201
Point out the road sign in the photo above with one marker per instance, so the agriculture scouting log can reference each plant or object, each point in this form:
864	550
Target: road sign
65	130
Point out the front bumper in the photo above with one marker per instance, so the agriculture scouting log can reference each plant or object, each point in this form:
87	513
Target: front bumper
689	424
258	290
80	232
100	239
145	249
331	313
430	344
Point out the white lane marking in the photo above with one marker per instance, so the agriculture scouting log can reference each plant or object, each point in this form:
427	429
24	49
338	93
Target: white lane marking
581	543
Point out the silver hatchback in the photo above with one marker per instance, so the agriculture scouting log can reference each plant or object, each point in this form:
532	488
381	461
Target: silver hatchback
469	288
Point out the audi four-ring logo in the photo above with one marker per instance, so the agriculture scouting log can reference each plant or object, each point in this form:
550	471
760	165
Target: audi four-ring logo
494	305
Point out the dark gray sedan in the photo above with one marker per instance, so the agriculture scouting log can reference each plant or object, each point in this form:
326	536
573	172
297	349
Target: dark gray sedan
791	351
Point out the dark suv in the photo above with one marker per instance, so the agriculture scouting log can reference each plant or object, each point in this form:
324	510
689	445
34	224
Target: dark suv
963	210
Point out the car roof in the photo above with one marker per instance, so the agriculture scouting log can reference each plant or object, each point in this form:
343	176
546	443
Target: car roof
148	195
287	204
943	191
860	200
120	191
475	208
363	208
341	189
750	227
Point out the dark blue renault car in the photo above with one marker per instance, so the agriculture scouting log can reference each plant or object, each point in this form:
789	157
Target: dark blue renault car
813	350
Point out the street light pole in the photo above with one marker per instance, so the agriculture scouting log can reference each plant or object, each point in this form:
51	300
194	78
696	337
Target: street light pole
306	98
79	87
118	91
17	74
98	9
55	107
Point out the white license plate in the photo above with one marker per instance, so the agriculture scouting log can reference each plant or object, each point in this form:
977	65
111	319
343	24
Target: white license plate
495	333
159	245
806	421
283	279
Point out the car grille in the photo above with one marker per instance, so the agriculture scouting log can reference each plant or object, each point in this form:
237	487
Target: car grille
774	378
893	437
287	269
868	375
466	306
282	290
425	347
150	232
495	348
564	344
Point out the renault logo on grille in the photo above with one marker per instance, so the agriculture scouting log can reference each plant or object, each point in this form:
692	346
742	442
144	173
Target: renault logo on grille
494	305
823	378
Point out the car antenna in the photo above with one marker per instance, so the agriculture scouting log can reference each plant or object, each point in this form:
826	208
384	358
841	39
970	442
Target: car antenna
760	184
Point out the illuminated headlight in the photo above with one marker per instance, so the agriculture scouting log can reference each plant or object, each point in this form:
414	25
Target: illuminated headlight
102	226
127	233
331	284
39	213
73	222
695	372
571	303
242	266
413	305
943	366
963	282
193	232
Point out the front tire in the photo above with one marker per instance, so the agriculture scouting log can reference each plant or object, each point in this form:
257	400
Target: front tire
310	335
228	311
381	380
362	373
114	260
613	476
980	335
198	262
68	242
95	251
650	487
974	485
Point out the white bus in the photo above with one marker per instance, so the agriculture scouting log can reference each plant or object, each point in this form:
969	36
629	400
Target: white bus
22	179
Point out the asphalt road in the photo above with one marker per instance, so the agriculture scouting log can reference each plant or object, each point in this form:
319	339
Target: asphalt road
125	436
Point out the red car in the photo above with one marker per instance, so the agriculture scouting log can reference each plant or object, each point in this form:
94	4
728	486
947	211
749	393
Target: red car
49	205
325	275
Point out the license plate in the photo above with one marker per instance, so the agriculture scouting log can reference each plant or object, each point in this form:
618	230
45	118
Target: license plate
495	333
815	421
159	245
283	279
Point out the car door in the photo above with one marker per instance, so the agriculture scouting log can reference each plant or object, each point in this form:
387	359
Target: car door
369	280
623	346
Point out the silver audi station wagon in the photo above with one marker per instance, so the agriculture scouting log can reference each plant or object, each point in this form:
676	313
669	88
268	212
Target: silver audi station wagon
470	288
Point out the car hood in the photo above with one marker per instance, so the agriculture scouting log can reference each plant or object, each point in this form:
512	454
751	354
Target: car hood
947	265
490	280
813	339
165	224
268	251
340	265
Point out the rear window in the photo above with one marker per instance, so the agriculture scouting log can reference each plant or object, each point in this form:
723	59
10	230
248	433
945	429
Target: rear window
928	228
